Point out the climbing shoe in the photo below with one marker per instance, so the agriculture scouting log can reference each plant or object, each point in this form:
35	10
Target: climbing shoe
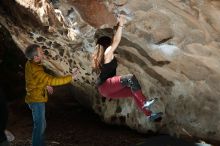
156	117
149	103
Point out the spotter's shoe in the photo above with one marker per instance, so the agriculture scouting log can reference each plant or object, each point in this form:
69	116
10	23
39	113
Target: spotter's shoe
9	135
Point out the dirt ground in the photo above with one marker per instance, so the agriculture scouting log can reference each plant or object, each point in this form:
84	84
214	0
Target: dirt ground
69	124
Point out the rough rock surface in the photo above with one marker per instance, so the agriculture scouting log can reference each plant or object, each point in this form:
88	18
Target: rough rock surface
172	46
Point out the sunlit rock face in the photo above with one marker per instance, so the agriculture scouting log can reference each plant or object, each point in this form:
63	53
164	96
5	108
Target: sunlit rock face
171	46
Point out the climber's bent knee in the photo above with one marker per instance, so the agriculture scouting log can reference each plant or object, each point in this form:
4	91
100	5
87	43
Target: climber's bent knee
130	81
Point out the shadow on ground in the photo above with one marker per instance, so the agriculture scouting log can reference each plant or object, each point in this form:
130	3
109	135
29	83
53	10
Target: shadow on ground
69	124
166	140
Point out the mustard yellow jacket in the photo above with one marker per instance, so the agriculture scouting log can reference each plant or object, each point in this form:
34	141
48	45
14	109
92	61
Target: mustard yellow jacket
37	80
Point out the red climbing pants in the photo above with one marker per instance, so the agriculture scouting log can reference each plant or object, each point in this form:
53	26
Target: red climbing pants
113	88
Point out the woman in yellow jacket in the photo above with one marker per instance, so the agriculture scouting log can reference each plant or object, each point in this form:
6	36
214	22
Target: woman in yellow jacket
37	83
